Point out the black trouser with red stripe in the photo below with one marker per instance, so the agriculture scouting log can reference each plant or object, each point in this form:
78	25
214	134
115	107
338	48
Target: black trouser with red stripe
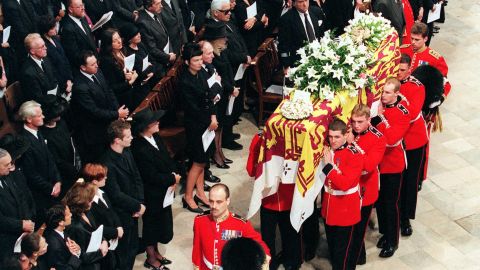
339	239
411	178
358	245
388	211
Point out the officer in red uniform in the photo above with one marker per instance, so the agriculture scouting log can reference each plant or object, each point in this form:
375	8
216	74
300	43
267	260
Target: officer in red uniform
212	230
421	54
341	197
393	121
416	139
409	21
371	143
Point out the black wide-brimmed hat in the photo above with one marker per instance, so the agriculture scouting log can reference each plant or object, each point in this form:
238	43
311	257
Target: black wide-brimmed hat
215	30
15	145
129	31
52	106
145	117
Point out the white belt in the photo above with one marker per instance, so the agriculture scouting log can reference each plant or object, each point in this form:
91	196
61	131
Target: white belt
210	265
364	172
335	192
395	144
416	118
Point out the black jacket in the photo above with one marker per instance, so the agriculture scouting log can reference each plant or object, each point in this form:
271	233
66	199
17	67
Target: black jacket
124	186
75	40
61	65
21	17
58	256
35	81
392	11
173	21
292	35
106	216
81	232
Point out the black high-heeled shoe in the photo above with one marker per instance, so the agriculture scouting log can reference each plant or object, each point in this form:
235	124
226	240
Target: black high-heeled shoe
221	166
148	265
228	161
198	201
197	210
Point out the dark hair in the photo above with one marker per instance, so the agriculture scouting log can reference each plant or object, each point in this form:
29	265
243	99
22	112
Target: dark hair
405	59
94	171
11	263
223	187
338	125
242	254
106	46
191	50
115	130
82	57
54	216
419	28
30	244
78	198
147	3
45	23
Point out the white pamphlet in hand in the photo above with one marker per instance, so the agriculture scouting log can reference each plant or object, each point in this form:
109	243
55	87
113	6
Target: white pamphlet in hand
53	91
68	96
18	244
240	71
301	95
145	63
207	138
129	62
166	49
113	244
95	240
275	89
374	108
231	100
6	34
105	18
192	18
168	200
211	81
252	10
434	15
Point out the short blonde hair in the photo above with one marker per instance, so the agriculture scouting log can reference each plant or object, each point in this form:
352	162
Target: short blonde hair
29	39
28	109
361	110
395	82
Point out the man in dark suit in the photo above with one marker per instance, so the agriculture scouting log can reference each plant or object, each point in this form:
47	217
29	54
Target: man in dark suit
95	106
173	20
15	215
75	32
296	27
37	76
125	189
154	34
338	12
125	11
38	164
391	10
63	253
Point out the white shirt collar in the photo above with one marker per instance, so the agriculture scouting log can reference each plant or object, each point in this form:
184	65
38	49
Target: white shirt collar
61	233
78	22
98	195
90	76
39	62
169	3
152	141
34	132
150	14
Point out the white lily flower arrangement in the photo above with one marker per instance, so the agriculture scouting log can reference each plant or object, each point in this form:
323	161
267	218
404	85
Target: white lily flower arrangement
297	109
369	30
330	66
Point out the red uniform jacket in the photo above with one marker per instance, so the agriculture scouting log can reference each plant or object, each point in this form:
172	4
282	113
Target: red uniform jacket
428	57
371	143
393	124
341	196
414	93
280	201
409	21
209	237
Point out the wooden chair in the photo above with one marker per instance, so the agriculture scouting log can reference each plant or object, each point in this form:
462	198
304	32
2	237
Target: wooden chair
266	70
6	126
13	98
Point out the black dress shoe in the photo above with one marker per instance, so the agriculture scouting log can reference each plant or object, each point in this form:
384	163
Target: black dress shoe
228	161
212	179
381	242
165	261
361	260
147	265
420	185
197	210
406	228
387	251
232	145
206	187
235	136
221	166
198	201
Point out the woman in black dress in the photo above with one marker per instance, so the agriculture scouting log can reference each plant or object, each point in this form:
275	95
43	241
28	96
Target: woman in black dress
160	176
199	116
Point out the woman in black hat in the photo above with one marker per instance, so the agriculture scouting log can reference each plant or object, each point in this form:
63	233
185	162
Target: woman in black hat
160	175
60	142
200	115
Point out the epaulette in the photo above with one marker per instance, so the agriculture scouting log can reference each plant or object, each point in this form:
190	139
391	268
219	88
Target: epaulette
358	147
402	108
404	98
239	217
375	131
403	46
434	54
353	149
205	213
414	80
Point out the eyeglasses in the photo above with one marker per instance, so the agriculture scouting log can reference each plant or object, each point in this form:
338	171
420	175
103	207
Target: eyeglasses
227	11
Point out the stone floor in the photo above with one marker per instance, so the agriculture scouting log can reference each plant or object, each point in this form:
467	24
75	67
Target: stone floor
447	228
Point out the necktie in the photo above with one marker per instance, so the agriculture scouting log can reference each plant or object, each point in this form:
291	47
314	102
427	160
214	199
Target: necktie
95	80
310	33
43	65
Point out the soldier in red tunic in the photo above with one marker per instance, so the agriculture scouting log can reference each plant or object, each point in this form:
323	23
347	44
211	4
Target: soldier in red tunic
416	139
409	20
341	197
393	121
213	229
421	54
371	143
